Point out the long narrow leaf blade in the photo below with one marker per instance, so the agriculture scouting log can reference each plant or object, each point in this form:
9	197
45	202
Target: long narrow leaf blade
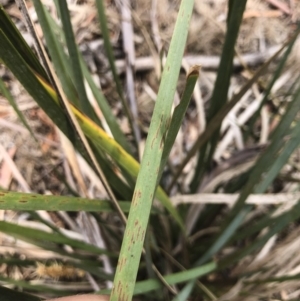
111	59
41	237
59	59
18	201
179	112
21	70
147	180
16	38
84	103
219	96
147	286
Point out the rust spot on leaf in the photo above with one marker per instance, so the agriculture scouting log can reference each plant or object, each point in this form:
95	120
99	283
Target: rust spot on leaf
119	288
122	262
136	196
122	295
138	233
157	131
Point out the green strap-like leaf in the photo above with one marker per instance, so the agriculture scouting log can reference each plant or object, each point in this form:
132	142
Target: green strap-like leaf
16	63
16	38
46	239
146	184
147	286
59	58
179	113
84	103
220	92
111	59
106	110
19	201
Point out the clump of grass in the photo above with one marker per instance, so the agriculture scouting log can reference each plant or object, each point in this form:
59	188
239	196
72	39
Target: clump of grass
164	250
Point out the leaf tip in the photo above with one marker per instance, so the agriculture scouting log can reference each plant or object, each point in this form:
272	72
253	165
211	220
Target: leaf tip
194	71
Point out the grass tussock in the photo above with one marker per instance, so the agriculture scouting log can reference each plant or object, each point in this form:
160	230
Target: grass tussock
162	139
